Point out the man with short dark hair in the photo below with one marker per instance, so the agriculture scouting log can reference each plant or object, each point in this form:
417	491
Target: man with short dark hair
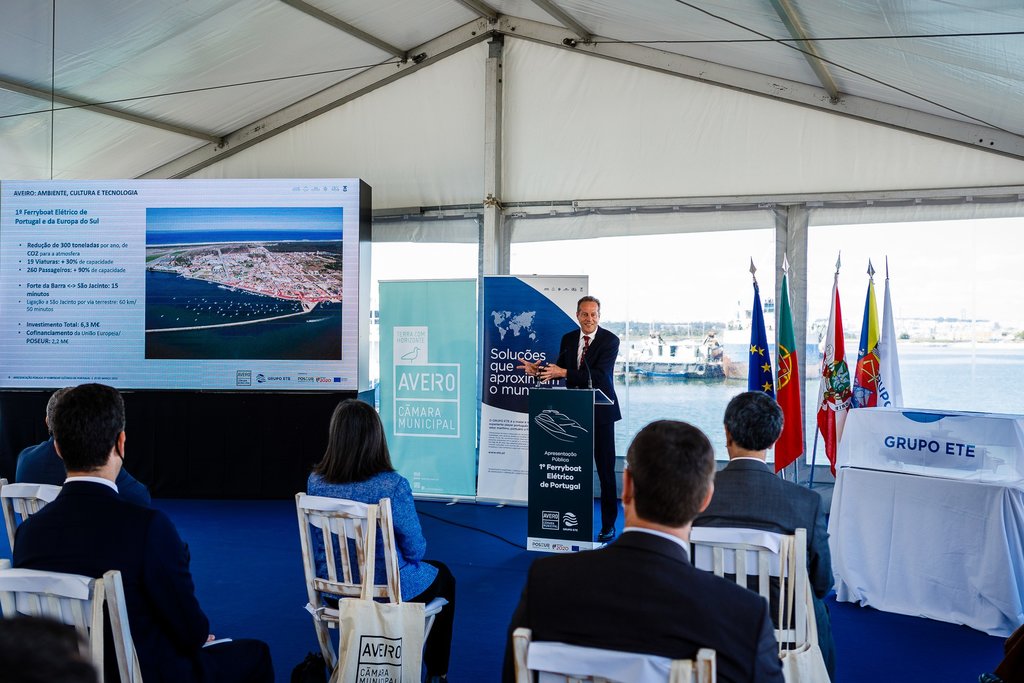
586	360
89	529
749	495
42	650
40	464
641	593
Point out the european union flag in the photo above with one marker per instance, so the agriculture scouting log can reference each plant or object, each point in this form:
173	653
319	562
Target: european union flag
759	367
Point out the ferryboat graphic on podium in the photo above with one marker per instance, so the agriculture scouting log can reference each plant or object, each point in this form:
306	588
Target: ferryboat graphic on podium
559	425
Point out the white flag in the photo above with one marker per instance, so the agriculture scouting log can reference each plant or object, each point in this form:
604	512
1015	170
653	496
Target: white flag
890	388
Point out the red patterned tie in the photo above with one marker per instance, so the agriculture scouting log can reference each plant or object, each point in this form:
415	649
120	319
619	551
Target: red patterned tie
586	345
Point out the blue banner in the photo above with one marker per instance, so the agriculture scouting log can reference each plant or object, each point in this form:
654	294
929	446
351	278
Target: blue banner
428	383
522	318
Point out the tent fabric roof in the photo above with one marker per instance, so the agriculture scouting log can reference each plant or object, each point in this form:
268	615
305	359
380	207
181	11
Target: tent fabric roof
166	79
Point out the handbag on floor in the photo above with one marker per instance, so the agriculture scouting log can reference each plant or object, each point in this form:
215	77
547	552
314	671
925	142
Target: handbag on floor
312	669
380	641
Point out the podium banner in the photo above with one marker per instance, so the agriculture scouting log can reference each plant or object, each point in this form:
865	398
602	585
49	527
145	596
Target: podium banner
561	480
523	317
428	383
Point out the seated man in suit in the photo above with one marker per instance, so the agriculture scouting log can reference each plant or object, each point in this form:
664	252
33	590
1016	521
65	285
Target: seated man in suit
40	464
749	495
641	593
89	529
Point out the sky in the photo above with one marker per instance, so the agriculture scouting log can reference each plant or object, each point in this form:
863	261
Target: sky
304	218
964	269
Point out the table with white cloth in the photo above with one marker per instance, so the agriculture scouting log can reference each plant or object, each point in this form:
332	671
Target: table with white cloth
927	516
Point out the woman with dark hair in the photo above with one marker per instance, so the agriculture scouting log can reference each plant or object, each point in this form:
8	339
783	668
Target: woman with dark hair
357	466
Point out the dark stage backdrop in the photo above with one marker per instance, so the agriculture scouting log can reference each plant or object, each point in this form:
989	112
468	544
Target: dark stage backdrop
199	445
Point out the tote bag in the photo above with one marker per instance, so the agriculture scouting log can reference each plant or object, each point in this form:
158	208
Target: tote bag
806	664
380	642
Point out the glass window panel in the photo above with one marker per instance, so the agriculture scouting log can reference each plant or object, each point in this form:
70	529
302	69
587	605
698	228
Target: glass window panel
956	289
676	288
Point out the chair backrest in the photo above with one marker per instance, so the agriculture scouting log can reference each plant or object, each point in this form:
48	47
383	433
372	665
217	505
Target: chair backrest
344	528
347	532
776	563
78	601
564	663
21	500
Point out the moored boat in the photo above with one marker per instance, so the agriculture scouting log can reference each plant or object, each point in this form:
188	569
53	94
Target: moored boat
681	359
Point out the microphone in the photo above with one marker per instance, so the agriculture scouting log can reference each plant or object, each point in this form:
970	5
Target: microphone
590	376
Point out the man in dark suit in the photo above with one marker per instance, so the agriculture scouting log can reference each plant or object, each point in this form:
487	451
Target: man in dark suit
40	464
749	495
89	529
641	593
586	360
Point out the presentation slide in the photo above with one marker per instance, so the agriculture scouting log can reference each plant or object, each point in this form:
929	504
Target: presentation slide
183	284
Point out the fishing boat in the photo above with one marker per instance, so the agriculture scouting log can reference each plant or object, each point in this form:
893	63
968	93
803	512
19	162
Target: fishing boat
680	359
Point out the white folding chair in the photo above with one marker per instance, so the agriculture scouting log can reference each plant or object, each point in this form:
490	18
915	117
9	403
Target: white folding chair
343	526
564	663
738	553
78	601
21	500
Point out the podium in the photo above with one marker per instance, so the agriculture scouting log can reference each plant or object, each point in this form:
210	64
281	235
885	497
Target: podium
560	489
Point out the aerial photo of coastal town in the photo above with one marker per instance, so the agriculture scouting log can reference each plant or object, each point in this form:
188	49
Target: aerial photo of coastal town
253	293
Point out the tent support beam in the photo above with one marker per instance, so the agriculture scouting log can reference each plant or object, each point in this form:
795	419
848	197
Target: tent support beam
972	135
791	19
72	102
496	240
334	96
345	27
565	19
956	195
480	8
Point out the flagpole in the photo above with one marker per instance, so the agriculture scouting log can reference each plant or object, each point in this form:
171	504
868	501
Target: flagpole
814	458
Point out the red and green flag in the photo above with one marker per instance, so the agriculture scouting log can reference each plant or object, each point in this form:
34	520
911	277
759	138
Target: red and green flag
790	445
834	391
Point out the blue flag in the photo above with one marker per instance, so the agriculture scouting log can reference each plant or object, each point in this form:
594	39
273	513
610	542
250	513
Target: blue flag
759	367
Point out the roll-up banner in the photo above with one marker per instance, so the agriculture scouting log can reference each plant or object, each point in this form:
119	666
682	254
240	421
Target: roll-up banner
523	317
428	383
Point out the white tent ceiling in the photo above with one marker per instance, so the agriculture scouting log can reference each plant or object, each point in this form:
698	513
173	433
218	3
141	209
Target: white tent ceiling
603	98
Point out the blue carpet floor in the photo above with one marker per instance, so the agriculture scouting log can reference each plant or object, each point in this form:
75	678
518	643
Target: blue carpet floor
248	574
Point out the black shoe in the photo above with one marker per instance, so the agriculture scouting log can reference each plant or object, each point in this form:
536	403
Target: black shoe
606	535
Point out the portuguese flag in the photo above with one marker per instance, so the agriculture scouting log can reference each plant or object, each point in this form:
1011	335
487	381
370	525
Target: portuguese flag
790	445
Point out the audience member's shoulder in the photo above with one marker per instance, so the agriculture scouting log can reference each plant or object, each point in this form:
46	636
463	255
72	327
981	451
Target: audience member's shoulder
547	565
798	490
392	481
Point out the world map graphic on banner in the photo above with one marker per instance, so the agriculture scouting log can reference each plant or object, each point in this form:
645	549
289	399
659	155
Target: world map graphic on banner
519	324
